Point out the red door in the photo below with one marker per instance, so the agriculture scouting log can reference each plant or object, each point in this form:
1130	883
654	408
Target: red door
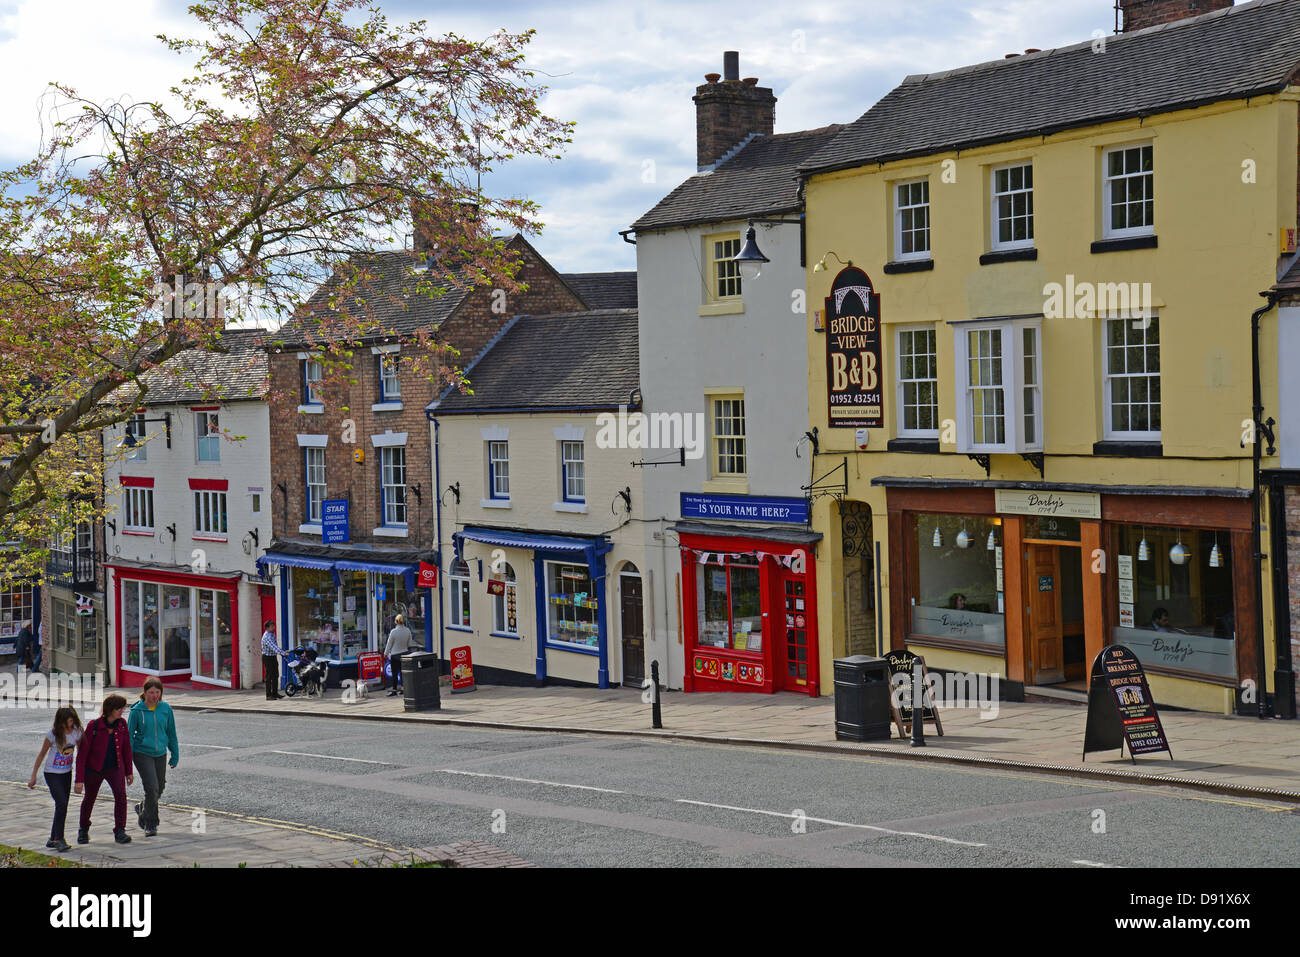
268	614
794	650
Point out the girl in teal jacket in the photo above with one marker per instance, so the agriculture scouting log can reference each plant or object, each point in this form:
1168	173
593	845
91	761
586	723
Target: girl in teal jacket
153	733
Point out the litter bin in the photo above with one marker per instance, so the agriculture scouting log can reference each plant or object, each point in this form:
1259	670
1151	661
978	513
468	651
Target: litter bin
862	711
420	671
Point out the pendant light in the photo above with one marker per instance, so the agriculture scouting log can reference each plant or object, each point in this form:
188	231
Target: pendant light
963	538
1144	553
938	538
1216	557
1178	554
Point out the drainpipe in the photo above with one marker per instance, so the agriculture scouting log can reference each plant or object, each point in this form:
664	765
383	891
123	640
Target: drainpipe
437	491
1270	300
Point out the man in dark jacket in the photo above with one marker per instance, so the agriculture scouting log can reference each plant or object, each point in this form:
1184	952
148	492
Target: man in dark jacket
24	648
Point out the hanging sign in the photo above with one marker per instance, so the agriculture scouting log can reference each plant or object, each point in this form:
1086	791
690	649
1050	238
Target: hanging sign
462	670
496	587
1120	707
428	576
853	360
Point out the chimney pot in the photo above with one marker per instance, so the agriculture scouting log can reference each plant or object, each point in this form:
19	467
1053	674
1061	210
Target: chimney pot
731	65
712	77
1033	50
727	113
751	81
1011	56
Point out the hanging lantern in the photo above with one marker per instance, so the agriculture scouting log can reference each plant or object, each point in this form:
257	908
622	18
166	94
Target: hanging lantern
963	539
1216	557
1178	554
993	543
1144	553
938	538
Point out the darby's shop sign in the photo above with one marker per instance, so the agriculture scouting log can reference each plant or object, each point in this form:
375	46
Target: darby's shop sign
853	353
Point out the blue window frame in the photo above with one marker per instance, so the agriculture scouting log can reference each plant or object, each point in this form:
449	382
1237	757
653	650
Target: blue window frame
499	470
573	472
312	374
390	384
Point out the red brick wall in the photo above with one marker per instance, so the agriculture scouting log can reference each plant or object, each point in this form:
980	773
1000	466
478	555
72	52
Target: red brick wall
1140	14
469	330
727	112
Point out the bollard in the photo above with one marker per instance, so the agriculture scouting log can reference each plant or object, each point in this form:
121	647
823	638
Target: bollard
656	712
918	707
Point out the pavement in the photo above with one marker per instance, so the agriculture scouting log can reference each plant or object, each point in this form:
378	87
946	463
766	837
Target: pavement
1225	754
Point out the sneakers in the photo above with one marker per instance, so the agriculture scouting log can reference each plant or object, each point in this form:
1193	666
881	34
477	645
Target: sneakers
83	835
151	832
58	844
122	837
394	693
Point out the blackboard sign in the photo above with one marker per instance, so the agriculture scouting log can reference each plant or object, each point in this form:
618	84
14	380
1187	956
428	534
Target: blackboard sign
853	359
902	663
1120	707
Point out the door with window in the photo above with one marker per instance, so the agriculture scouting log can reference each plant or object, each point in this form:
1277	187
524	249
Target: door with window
1044	631
633	628
794	650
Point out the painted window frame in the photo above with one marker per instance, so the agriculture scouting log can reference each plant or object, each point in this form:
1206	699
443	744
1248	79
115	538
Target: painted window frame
207	434
1015	386
1144	326
498	470
311	394
392	493
210	505
139	429
716	439
459	611
500	604
315	501
902	382
901	210
721	272
390	380
573	481
136	504
997	244
1109	231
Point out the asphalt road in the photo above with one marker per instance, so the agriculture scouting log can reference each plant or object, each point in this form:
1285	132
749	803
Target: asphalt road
579	800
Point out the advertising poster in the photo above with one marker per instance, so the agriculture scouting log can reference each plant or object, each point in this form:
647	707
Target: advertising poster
853	356
462	670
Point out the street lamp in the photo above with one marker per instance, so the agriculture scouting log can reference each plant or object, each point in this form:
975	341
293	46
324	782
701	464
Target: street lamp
750	259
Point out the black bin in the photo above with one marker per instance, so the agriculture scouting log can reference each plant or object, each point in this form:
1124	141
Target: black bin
420	671
862	687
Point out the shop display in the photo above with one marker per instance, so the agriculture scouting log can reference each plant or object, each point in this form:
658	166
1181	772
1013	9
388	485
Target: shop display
572	605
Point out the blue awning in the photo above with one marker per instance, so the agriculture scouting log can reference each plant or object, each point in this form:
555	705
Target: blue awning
383	568
298	561
533	541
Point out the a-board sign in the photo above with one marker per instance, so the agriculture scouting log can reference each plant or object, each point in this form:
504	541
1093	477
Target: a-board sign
1120	707
370	666
903	663
462	670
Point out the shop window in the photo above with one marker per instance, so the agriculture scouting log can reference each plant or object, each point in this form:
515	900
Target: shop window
141	623
729	613
957	592
505	607
215	637
316	611
15	610
572	601
912	220
1132	378
918	383
208	432
355	615
1176	601
459	578
1013	207
1129	185
392	599
999	382
175	631
65	626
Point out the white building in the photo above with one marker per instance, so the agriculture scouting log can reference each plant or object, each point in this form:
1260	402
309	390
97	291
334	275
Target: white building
191	510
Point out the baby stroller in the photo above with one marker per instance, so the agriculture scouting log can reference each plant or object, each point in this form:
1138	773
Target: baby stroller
304	673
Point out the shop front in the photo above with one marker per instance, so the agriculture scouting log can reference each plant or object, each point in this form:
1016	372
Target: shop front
20	604
176	626
749	597
344	602
1032	583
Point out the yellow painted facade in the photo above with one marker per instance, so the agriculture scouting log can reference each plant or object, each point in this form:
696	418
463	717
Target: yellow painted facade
1225	184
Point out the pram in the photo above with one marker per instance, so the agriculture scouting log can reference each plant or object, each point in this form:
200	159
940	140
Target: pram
303	672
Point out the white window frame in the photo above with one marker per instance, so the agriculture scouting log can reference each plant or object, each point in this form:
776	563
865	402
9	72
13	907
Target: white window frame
207	428
1132	324
498	470
903	431
209	506
137	422
899	208
1107	207
500	622
315	499
311	384
995	208
390	380
460	589
1013	386
137	502
392	508
573	472
716	439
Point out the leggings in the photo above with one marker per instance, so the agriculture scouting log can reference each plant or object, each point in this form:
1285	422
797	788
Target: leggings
116	779
60	786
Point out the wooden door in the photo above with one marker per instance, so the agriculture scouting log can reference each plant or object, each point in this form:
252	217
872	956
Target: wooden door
1042	586
793	651
633	629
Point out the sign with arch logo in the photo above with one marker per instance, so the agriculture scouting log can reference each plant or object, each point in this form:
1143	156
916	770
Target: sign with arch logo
853	354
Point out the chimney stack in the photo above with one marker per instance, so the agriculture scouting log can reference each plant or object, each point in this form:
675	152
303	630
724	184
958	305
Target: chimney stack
728	112
1140	14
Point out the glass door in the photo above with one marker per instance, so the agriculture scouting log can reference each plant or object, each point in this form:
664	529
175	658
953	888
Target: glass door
795	672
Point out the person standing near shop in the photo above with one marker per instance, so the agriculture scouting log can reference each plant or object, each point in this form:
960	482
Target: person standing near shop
105	755
153	733
400	641
24	647
57	752
271	655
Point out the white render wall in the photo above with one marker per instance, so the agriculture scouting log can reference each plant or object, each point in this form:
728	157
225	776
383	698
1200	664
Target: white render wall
1288	387
244	464
534	492
760	351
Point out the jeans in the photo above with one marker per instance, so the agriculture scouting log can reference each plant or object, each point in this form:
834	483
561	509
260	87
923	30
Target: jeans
395	659
153	777
116	778
271	674
60	786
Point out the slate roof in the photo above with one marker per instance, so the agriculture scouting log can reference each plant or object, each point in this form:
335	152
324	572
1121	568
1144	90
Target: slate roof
391	297
1231	54
604	290
237	375
572	360
758	180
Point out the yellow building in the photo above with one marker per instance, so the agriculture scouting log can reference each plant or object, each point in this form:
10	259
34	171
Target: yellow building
1033	386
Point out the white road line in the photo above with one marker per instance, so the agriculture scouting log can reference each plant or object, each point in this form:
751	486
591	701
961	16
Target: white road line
330	757
221	747
1091	863
822	820
506	777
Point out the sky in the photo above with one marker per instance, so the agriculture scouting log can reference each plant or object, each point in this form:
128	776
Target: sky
624	72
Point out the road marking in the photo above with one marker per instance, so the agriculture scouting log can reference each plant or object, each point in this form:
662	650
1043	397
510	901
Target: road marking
822	820
221	747
1092	864
331	757
506	777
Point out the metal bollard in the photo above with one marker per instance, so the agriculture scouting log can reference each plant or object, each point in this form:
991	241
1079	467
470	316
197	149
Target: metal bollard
918	707
656	712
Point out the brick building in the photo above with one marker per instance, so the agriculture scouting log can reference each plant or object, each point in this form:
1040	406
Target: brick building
353	494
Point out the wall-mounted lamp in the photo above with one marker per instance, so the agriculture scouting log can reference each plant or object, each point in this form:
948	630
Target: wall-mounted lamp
820	265
812	440
128	438
454	490
418	491
172	528
750	259
626	495
111	524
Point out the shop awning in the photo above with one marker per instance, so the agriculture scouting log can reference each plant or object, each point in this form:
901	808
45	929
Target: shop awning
589	548
383	568
298	561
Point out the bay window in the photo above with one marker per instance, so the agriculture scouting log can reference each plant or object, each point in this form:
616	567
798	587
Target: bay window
999	386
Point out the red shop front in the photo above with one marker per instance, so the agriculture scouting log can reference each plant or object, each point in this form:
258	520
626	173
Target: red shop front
749	606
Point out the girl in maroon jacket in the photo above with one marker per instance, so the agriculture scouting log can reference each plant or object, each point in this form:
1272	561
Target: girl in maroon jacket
105	755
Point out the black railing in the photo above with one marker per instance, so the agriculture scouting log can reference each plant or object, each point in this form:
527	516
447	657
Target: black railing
77	565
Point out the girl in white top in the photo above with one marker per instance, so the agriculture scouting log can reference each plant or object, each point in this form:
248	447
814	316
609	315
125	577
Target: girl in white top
57	751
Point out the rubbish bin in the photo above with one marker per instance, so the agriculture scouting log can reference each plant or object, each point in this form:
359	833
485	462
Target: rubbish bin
420	671
862	689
